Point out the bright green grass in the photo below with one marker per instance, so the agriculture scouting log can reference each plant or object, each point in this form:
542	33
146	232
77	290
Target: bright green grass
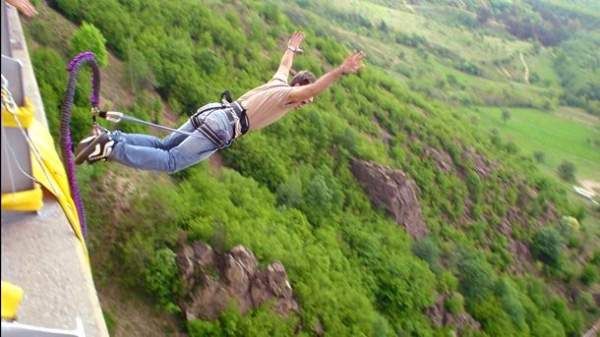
558	137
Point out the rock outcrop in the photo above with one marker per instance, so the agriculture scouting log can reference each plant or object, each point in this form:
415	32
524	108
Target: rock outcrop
442	159
212	280
441	317
483	167
393	191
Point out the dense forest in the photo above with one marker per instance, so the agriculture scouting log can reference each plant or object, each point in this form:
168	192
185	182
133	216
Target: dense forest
507	249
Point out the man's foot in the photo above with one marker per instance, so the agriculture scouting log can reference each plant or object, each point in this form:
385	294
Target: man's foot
94	148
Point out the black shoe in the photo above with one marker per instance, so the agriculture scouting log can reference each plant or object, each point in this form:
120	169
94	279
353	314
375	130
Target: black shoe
94	148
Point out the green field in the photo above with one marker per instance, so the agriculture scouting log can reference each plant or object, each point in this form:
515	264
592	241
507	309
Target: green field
559	136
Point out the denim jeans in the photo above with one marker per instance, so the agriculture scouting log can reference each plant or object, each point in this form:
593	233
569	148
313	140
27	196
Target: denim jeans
176	151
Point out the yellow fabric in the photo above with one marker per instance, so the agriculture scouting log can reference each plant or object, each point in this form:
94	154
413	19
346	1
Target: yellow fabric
24	114
23	201
51	172
29	200
11	299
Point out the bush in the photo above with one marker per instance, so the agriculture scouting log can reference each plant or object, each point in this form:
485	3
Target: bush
427	250
539	156
506	115
589	275
566	170
585	300
89	38
596	258
546	246
476	276
161	278
454	303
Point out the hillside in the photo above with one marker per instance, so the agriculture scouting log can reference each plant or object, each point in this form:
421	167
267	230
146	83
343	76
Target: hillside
480	241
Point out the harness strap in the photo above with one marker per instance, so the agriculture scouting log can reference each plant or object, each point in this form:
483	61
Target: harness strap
234	112
241	113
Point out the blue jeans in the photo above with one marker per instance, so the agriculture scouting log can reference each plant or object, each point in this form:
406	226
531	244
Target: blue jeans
176	151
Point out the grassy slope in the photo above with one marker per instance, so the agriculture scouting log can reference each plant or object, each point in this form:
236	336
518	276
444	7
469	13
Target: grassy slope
559	136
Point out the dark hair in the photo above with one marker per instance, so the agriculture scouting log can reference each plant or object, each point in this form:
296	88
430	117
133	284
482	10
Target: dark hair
303	77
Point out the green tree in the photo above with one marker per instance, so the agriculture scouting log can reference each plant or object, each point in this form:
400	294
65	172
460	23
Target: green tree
88	38
546	246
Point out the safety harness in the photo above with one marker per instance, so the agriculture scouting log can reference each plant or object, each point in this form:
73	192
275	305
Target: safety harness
235	114
234	110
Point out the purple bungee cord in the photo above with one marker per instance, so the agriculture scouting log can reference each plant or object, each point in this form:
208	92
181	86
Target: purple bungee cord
65	126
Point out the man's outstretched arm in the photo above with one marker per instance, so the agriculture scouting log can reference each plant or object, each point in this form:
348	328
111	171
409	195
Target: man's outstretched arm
350	65
287	59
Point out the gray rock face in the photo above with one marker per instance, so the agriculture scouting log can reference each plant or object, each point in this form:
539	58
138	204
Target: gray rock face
212	280
393	191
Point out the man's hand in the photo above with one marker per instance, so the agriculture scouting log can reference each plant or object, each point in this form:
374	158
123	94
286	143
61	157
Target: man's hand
352	63
295	41
24	6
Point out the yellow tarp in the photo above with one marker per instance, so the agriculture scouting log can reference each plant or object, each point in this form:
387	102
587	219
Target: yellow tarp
11	298
50	172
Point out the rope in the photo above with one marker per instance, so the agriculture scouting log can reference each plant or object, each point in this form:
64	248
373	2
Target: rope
65	126
117	117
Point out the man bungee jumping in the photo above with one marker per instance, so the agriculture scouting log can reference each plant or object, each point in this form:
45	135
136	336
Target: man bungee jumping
216	125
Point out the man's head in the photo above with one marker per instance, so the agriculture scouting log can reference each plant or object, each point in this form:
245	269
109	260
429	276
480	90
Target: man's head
301	78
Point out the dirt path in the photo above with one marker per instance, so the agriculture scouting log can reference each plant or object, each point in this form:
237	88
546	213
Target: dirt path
593	331
526	75
506	73
408	6
591	185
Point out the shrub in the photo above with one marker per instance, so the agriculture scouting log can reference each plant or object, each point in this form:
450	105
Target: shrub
566	170
427	250
546	246
509	298
585	301
539	156
447	283
89	38
506	115
454	303
161	278
476	276
200	328
589	275
596	258
571	222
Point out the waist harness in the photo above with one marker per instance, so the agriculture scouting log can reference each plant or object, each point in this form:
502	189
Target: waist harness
235	113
